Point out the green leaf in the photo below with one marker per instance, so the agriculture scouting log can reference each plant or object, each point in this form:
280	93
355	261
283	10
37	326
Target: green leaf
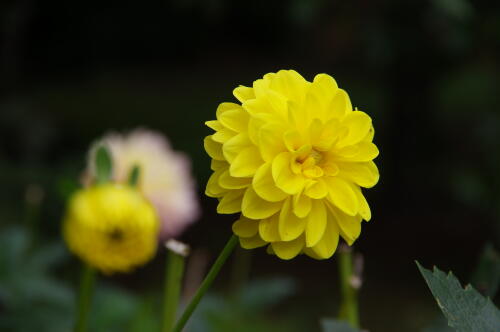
465	309
133	178
333	325
103	164
486	278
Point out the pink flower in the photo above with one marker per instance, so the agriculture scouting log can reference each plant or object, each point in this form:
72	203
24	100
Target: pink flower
164	177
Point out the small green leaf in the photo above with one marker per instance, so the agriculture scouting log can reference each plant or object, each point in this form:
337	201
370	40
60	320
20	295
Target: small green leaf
103	164
333	325
133	177
465	309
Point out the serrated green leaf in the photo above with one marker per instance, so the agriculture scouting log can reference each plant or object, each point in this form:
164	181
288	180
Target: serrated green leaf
103	165
465	309
333	325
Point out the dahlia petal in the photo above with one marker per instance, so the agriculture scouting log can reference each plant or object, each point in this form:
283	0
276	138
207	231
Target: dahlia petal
223	135
288	249
316	189
339	106
227	181
285	179
245	227
252	242
235	119
231	202
326	247
224	107
218	164
214	124
329	134
243	93
364	208
316	223
255	207
290	84
349	226
246	163
271	141
341	195
264	185
326	88
301	205
213	188
363	174
232	147
290	226
361	152
269	228
370	135
358	124
293	140
213	148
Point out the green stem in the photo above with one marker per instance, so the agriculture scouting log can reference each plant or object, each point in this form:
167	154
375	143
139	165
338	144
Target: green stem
214	271
173	281
85	297
349	305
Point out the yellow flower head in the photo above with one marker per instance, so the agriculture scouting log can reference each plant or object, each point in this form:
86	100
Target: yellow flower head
111	227
292	158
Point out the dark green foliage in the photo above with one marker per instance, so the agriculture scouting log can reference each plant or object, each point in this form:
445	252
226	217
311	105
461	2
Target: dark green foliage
465	309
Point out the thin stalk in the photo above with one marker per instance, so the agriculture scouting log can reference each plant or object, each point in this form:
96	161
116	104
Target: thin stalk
84	297
173	284
207	282
349	304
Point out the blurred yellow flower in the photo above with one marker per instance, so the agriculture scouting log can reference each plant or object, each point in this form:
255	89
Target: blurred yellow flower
111	227
164	177
292	158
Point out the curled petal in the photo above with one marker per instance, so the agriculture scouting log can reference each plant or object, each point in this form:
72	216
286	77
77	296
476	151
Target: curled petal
290	226
363	174
252	242
227	181
341	195
316	223
269	229
235	145
301	205
264	185
288	249
326	247
255	207
358	124
285	179
245	227
246	163
349	226
231	202
316	189
213	148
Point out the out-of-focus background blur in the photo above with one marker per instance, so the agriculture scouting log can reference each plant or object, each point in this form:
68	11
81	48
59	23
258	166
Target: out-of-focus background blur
426	71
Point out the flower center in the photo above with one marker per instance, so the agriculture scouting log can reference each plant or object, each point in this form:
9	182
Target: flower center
116	235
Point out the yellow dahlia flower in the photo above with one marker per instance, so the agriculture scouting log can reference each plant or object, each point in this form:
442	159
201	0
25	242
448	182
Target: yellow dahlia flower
111	227
292	158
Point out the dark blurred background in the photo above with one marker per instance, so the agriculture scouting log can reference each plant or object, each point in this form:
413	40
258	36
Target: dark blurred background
426	71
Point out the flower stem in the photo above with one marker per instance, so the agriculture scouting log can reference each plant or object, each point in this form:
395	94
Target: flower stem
349	304
207	282
84	297
173	284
